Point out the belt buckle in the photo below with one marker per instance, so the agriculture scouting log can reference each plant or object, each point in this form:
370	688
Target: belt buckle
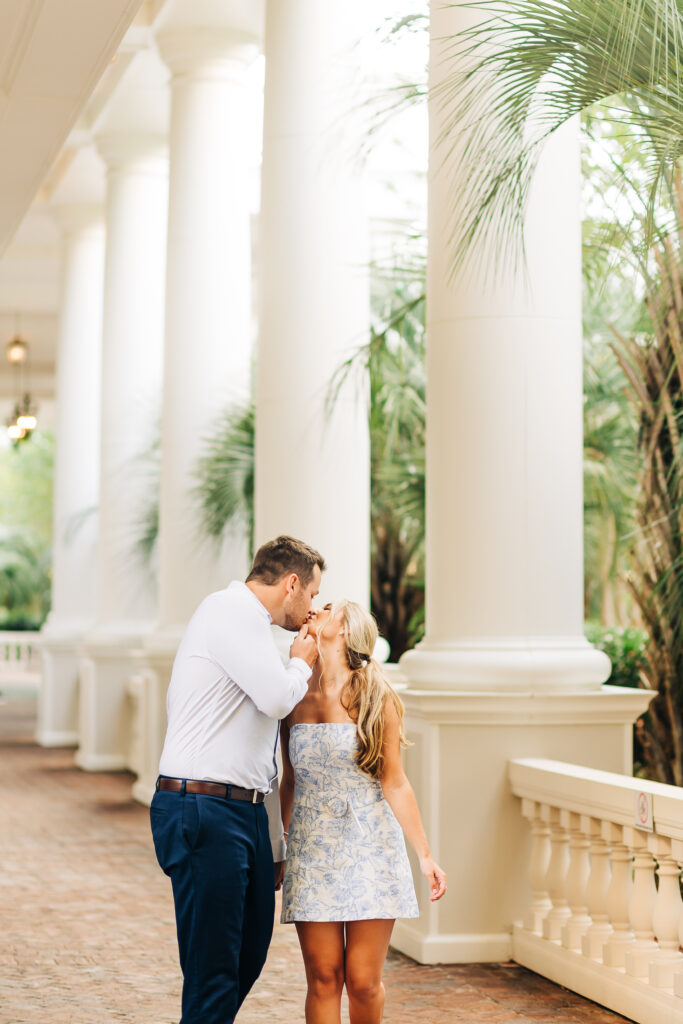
255	797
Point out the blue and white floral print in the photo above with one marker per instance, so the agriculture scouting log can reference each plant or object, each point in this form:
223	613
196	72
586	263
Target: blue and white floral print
346	856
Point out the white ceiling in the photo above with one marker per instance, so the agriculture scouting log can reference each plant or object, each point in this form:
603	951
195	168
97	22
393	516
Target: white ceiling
71	70
52	54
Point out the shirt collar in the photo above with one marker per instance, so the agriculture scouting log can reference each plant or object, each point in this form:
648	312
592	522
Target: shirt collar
242	588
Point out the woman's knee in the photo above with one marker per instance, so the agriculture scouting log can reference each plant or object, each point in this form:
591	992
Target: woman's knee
363	986
325	979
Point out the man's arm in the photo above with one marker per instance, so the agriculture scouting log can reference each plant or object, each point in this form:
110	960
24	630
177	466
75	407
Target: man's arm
244	648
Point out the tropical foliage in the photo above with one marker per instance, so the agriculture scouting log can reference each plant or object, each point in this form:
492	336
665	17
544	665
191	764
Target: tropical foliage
24	581
26	532
614	174
626	648
224	490
393	362
654	368
522	71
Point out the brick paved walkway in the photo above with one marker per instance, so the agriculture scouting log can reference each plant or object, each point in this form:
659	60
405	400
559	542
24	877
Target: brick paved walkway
86	924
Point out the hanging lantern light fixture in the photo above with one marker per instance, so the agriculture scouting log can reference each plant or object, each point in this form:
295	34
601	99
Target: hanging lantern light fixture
24	419
17	350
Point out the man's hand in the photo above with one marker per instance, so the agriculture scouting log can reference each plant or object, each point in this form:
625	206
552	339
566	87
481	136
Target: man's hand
279	868
304	646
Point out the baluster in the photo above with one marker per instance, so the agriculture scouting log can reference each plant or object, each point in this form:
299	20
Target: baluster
556	876
538	866
618	896
577	878
641	905
677	853
668	905
596	890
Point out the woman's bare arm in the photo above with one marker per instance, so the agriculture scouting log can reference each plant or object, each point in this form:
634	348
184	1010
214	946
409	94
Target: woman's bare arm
401	798
287	781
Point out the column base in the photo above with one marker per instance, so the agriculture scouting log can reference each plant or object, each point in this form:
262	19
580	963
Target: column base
89	762
534	664
147	689
109	657
458	764
57	724
450	948
143	791
53	738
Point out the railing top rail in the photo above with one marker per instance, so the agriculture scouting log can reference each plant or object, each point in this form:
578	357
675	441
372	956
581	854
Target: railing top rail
598	794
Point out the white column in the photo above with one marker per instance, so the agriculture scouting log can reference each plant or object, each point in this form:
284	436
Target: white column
208	298
504	667
208	327
312	471
77	458
504	597
131	387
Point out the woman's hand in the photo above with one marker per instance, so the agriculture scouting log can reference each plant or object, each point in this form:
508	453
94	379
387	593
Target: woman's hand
279	870
435	875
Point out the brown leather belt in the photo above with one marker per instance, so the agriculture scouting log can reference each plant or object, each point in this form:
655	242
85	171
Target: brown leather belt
222	789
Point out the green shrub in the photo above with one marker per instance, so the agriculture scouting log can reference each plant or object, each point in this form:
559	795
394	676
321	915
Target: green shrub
625	647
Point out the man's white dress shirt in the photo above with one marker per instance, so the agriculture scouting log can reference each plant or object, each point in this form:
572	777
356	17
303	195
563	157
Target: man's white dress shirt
228	690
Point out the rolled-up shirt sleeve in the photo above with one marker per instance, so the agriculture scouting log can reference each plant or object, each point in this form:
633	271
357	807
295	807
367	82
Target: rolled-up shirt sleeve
244	650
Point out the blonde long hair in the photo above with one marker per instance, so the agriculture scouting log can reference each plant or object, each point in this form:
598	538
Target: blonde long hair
367	690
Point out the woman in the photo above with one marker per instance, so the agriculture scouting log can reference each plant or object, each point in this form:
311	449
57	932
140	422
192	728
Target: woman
344	800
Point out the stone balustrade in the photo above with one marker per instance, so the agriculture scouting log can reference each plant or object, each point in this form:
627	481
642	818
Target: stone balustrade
605	914
20	667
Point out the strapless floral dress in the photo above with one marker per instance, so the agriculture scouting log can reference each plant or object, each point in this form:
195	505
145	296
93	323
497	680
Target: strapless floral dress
346	856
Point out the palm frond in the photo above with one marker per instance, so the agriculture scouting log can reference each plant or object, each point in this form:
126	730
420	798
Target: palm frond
224	490
521	72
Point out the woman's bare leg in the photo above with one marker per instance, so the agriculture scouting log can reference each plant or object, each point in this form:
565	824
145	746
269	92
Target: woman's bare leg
367	943
322	946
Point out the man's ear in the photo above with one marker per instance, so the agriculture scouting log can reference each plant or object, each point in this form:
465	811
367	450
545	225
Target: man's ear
292	581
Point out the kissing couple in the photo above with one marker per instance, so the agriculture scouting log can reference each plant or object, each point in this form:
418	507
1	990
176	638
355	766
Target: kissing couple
330	834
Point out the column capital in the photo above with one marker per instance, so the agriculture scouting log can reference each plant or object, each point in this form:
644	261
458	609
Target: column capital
206	52
119	149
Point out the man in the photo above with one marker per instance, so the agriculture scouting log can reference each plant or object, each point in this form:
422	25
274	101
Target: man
217	788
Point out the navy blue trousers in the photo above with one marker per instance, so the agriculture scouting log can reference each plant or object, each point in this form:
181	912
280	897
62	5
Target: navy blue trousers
218	856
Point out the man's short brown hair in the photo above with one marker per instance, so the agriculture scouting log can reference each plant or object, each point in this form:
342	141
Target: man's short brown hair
282	556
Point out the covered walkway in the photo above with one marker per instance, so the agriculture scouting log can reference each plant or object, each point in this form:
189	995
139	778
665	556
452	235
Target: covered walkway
87	927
